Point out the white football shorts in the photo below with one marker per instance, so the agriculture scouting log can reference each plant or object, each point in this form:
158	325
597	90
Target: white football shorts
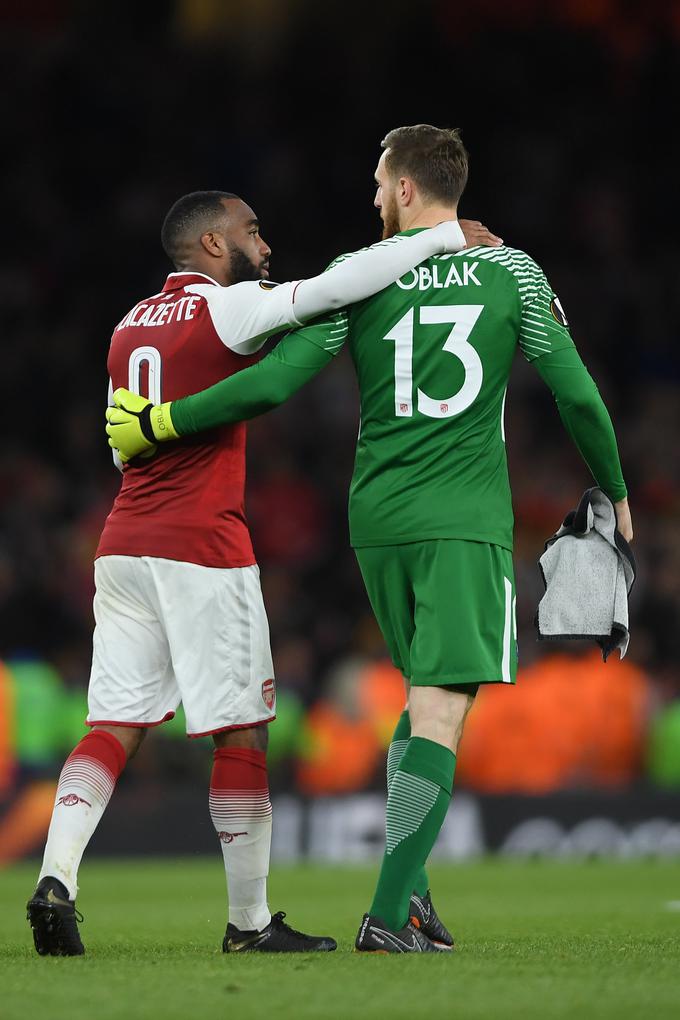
169	631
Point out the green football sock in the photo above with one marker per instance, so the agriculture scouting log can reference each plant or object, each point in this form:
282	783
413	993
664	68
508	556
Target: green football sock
417	802
400	739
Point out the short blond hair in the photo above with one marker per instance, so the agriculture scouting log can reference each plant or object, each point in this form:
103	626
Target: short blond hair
434	158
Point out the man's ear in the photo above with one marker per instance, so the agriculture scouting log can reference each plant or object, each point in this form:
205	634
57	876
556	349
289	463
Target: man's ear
405	191
213	243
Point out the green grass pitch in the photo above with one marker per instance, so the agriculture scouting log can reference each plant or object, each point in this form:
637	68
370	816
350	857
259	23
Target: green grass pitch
535	940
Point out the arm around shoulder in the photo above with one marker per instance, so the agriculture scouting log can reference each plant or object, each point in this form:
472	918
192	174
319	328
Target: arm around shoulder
372	269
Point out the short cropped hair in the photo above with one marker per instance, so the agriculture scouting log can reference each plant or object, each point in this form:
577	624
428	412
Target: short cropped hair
189	218
435	158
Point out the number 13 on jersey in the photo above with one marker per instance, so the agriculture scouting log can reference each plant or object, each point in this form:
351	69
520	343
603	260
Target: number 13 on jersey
463	319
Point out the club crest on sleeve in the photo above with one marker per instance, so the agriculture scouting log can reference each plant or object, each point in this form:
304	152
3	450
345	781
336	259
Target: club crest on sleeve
269	694
558	311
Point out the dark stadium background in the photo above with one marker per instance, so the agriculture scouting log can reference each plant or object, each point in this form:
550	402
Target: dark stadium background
113	110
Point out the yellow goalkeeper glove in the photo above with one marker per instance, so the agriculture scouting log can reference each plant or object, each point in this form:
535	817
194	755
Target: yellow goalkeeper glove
135	425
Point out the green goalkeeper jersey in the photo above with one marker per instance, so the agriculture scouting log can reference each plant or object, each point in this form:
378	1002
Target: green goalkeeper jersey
433	354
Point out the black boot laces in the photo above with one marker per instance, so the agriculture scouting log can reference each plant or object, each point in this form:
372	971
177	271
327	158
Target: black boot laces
278	922
63	918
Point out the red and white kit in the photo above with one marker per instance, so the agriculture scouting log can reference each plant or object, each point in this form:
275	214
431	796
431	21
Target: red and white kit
178	606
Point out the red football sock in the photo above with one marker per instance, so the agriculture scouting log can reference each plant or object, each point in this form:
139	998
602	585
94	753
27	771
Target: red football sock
85	786
242	815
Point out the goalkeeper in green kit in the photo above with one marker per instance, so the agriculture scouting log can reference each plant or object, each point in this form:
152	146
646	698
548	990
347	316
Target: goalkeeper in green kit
430	510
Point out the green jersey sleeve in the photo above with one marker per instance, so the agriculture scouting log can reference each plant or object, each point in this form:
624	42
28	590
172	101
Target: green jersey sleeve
297	358
543	326
329	334
585	417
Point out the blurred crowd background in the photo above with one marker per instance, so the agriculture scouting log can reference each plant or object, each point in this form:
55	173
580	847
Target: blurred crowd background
112	111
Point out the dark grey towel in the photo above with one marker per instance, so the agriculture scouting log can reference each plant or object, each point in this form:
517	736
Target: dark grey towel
588	570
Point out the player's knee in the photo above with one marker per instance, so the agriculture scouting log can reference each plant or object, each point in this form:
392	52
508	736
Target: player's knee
130	737
438	714
137	741
254	738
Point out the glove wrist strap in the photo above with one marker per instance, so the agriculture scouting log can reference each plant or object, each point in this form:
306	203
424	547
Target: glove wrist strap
145	423
160	423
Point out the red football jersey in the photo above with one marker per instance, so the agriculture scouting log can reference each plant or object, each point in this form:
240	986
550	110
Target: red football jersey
187	501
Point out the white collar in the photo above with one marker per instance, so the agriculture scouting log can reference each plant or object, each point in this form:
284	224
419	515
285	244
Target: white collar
194	272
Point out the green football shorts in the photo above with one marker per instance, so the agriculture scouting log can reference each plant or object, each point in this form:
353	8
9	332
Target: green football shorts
446	609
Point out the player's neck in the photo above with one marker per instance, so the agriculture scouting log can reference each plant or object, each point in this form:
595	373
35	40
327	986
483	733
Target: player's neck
428	216
210	270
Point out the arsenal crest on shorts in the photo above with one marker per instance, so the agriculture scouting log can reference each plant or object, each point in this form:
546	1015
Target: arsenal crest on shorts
269	694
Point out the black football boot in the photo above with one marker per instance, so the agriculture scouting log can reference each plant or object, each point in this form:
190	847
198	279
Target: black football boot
375	937
277	937
423	916
54	920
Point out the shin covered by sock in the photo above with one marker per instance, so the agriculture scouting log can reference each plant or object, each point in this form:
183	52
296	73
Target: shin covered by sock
416	807
85	786
242	815
400	739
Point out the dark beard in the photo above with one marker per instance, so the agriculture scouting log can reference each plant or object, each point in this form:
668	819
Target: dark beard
390	221
242	269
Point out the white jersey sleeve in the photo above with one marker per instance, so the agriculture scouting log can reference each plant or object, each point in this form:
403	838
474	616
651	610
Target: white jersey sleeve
245	314
372	269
